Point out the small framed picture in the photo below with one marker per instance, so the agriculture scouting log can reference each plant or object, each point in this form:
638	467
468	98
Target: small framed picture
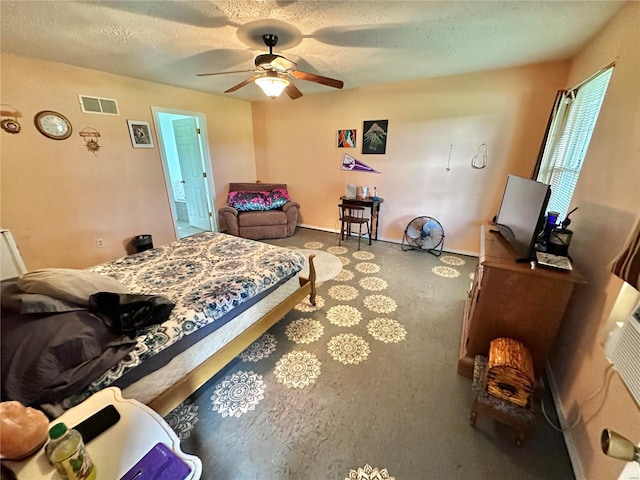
346	138
140	133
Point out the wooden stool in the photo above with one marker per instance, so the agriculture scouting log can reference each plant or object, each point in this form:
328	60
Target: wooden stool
503	411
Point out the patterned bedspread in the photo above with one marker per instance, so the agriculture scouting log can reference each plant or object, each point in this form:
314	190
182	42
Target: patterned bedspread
206	276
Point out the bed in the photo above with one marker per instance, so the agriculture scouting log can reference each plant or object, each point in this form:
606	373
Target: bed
227	292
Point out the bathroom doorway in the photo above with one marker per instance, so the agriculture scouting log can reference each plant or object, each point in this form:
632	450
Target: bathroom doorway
187	169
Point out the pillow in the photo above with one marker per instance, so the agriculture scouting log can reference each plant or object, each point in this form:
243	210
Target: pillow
246	201
279	196
15	299
74	286
45	358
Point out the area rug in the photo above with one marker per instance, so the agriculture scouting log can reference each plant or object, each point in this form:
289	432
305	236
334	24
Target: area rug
326	264
362	385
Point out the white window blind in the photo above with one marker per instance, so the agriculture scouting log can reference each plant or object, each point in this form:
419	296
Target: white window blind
568	140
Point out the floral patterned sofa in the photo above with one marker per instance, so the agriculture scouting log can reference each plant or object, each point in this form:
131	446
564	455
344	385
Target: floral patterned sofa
259	210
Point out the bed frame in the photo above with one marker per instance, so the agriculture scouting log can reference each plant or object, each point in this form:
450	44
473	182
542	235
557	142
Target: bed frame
178	393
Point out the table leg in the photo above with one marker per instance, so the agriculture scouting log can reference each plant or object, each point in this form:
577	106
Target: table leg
374	220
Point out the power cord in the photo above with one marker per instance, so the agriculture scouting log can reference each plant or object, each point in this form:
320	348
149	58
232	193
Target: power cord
605	383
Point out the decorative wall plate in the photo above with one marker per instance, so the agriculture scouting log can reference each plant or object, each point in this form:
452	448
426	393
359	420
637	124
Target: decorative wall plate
53	125
10	125
91	136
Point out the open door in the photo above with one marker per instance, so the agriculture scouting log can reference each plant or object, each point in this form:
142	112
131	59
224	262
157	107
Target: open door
186	162
193	175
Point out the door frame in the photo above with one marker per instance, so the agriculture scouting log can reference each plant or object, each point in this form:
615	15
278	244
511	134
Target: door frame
201	121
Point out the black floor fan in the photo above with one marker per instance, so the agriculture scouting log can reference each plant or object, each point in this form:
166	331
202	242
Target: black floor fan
424	234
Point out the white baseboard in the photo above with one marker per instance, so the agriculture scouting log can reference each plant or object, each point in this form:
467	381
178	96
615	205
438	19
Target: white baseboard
574	457
383	239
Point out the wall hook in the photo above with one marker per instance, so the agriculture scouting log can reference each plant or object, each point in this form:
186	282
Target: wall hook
479	160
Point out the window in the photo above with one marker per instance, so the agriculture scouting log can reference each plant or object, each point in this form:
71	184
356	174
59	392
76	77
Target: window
573	120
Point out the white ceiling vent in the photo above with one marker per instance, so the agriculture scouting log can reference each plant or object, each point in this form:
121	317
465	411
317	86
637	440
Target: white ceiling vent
106	106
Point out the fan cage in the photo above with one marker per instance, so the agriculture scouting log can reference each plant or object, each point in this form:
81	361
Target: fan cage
424	233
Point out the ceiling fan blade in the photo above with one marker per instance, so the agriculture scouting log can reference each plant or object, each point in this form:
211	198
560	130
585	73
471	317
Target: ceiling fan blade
293	91
312	77
242	84
223	73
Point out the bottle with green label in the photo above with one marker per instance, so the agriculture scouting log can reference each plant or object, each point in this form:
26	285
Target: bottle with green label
67	452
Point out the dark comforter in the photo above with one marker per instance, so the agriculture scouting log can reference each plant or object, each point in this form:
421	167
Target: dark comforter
46	357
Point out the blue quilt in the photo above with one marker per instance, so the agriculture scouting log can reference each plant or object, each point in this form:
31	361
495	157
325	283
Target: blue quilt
206	276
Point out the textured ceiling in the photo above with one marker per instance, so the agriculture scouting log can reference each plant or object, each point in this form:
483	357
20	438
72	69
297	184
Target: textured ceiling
359	42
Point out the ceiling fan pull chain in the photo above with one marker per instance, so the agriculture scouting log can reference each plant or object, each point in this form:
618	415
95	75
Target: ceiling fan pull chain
475	161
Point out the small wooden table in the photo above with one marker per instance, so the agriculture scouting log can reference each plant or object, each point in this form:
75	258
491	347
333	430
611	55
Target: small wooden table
372	204
117	449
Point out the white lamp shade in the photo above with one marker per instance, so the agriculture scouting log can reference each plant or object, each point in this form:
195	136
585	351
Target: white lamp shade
272	86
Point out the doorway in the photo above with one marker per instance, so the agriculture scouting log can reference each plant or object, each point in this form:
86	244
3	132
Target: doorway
187	170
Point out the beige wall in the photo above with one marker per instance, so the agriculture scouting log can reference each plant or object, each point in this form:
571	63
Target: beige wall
608	197
295	142
58	198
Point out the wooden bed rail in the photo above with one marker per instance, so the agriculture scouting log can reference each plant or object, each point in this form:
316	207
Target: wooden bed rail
175	395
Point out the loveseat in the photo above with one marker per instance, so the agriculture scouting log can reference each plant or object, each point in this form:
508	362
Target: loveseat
259	210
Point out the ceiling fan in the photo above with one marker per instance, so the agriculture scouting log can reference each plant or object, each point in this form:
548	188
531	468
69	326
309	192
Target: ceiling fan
273	73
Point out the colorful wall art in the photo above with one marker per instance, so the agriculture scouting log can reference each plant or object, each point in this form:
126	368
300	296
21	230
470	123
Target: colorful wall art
346	138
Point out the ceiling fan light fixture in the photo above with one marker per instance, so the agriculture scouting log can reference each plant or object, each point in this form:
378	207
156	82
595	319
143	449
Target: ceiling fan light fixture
272	85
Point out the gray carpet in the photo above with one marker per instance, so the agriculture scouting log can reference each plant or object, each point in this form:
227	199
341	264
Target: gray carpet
364	387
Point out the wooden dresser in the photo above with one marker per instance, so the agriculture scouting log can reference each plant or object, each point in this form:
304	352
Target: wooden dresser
515	300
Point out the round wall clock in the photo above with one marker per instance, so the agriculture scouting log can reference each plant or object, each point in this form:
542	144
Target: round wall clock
53	125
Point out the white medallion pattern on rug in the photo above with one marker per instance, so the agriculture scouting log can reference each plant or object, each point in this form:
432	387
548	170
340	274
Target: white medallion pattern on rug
182	419
386	330
297	369
304	330
374	284
345	261
337	250
380	304
264	346
367	267
314	245
362	255
305	305
344	293
344	315
369	473
451	260
344	276
348	349
446	272
238	393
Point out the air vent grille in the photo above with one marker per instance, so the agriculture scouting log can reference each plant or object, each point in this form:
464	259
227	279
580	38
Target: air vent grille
105	106
625	353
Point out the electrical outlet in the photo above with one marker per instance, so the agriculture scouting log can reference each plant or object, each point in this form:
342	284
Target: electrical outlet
100	242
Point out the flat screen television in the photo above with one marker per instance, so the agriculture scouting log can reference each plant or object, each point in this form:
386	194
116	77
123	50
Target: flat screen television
521	215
